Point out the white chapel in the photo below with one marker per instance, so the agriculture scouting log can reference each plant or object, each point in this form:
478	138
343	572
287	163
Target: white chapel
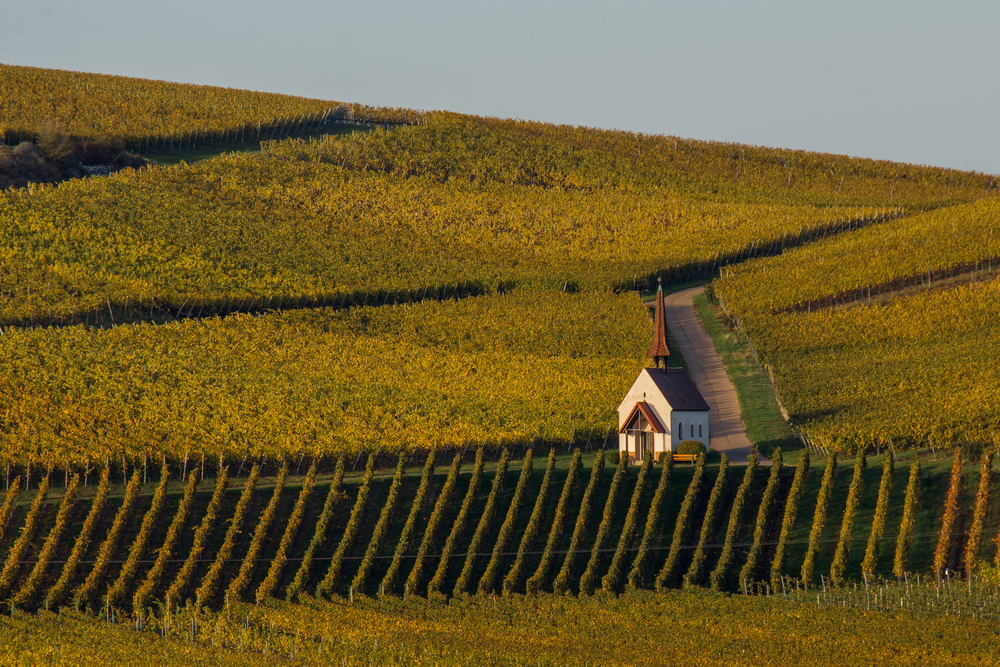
663	407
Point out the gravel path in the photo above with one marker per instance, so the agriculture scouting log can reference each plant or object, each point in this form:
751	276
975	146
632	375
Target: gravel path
709	374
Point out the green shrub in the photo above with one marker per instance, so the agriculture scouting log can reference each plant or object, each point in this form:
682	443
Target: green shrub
636	576
333	496
696	571
839	565
905	539
239	583
537	581
561	583
201	536
58	591
485	521
328	586
428	543
950	516
819	521
720	575
406	536
360	583
691	447
752	565
30	586
138	549
788	521
878	525
291	529
589	579
457	529
210	583
979	514
671	568
612	580
488	582
513	578
17	550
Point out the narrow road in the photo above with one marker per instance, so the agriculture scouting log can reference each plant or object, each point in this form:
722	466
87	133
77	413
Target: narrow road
709	374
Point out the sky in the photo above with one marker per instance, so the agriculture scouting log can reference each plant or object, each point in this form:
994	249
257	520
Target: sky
912	81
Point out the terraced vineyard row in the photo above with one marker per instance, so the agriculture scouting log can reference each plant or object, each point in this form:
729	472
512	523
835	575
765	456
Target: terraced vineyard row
338	538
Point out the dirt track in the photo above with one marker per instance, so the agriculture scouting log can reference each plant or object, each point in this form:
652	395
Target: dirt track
709	374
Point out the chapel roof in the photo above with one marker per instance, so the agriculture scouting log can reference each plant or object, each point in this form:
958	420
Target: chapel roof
677	388
643	408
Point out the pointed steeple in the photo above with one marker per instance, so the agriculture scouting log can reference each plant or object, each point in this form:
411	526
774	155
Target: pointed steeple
659	350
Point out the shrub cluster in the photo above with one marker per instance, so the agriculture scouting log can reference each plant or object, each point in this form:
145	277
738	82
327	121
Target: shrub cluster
488	582
85	594
536	581
612	580
427	544
239	583
839	564
979	514
58	591
291	530
943	549
709	527
155	574
201	535
21	544
513	579
561	583
138	549
671	568
788	520
409	528
319	534
30	586
636	575
360	583
819	520
589	579
720	575
752	565
210	583
485	521
905	539
878	524
457	529
689	447
328	586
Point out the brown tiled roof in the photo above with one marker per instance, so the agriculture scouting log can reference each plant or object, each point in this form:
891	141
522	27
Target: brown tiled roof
678	389
647	412
659	348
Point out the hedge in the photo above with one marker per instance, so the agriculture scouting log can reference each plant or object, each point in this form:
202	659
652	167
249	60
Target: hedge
319	534
589	579
483	528
752	565
488	582
839	565
238	584
138	549
788	520
328	586
13	491
636	576
513	579
58	591
457	529
979	514
819	521
16	553
537	581
427	544
878	524
720	575
210	583
561	583
611	581
87	591
668	574
941	553
905	539
30	586
389	580
360	583
709	527
201	536
291	530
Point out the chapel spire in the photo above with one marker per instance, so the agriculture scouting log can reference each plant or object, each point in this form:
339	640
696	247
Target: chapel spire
659	350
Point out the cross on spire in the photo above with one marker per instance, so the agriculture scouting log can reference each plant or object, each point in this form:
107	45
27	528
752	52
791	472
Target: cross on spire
659	350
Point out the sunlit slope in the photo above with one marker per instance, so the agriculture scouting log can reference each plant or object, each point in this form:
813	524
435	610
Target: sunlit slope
491	369
145	114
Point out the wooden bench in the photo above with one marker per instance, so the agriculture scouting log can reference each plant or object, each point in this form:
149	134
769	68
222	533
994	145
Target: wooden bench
685	458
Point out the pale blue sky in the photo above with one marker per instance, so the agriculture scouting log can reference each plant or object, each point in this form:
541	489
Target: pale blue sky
913	81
